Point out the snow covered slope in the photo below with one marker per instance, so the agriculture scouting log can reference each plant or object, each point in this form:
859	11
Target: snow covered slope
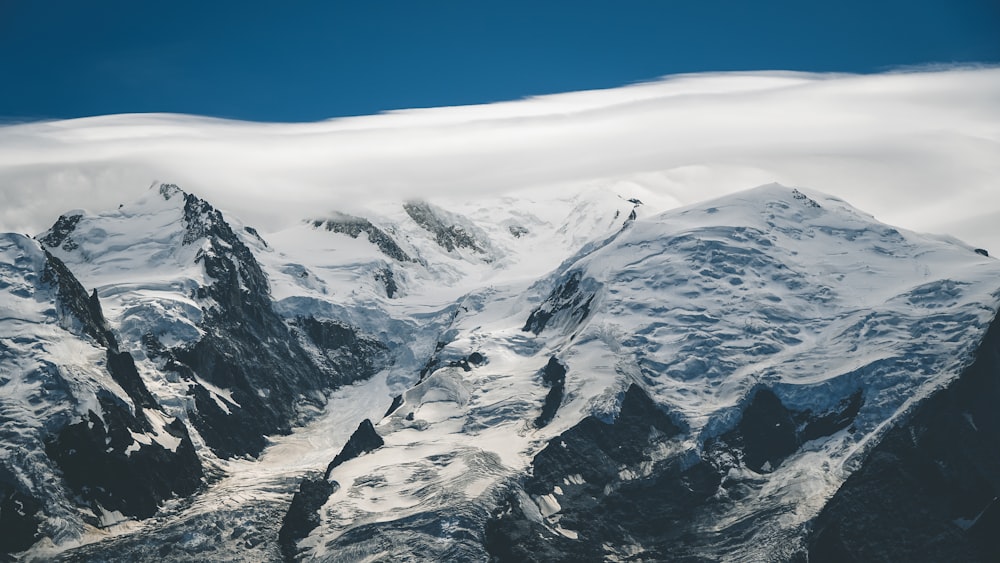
769	305
781	333
554	375
83	441
241	339
193	305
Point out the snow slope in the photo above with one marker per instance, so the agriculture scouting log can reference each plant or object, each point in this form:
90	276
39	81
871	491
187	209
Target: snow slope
51	374
71	405
706	310
701	308
144	261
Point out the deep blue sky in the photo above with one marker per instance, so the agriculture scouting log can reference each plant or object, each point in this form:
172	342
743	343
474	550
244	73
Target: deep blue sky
309	60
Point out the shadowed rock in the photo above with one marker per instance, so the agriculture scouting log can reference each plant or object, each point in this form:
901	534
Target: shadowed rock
365	439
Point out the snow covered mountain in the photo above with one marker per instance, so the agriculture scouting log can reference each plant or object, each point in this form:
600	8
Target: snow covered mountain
85	443
548	376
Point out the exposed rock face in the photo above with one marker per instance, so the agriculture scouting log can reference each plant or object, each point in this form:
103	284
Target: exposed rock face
614	490
247	348
265	382
100	459
101	462
345	354
121	366
517	231
584	504
99	433
928	491
569	302
354	226
806	200
253	232
448	235
765	435
60	234
19	518
303	514
388	280
364	440
768	432
74	302
554	376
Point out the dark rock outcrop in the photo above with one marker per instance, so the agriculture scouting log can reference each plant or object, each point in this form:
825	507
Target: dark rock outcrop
365	439
122	368
612	498
388	281
806	200
474	359
568	299
928	491
105	466
303	516
246	349
554	376
354	227
112	459
397	402
265	383
60	233
19	517
597	506
73	300
99	457
448	236
768	432
817	426
346	355
253	232
517	231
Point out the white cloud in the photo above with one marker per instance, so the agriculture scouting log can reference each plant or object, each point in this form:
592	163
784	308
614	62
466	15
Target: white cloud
920	150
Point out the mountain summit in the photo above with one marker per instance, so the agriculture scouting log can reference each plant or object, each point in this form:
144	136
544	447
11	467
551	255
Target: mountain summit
556	377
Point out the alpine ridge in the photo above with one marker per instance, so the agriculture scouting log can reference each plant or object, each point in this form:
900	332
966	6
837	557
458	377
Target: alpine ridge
544	377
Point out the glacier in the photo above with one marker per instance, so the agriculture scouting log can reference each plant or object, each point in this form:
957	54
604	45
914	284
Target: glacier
551	375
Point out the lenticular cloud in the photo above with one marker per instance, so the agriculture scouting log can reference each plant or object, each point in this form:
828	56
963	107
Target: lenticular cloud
918	149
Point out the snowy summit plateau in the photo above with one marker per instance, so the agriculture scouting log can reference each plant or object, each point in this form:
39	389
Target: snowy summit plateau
581	366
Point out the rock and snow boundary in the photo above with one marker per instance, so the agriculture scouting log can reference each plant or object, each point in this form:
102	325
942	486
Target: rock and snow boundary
738	358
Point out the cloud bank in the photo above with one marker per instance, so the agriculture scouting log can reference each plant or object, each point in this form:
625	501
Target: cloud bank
919	150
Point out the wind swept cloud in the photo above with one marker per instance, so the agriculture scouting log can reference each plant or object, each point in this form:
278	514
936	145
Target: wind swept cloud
917	149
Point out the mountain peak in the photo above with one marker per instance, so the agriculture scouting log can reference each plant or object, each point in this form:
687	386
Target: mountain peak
726	364
60	233
170	190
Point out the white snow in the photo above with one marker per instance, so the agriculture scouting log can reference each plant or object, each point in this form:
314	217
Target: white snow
785	288
50	376
788	289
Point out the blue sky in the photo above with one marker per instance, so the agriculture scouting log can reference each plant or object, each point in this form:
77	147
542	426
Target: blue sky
305	61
